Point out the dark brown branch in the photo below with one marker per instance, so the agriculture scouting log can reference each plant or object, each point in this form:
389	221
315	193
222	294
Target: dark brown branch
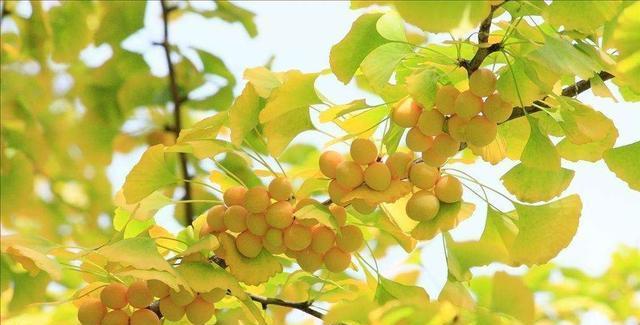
302	306
484	49
177	105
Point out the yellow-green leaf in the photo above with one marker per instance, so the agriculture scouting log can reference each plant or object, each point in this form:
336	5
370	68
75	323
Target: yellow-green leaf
443	16
296	93
511	296
626	40
531	184
138	252
623	161
252	271
396	190
243	114
148	175
281	131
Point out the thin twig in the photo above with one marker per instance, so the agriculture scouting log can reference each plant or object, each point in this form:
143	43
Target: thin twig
304	306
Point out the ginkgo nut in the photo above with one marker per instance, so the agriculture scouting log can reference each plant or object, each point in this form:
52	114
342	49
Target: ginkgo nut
144	317
322	238
279	215
349	174
257	224
423	176
468	105
362	206
114	296
349	239
280	189
445	99
377	176
399	163
91	311
422	206
170	310
328	162
199	311
430	122
336	260
115	317
406	113
482	82
139	295
480	131
418	142
158	288
235	218
297	237
448	189
248	244
363	151
234	195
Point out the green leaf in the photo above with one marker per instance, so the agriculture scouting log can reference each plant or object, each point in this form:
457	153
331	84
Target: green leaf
229	12
319	212
593	14
626	40
281	131
296	93
142	89
511	296
238	166
560	56
208	243
391	27
16	183
380	64
531	184
243	114
138	252
422	87
119	20
28	290
148	175
389	290
387	226
71	32
448	217
336	111
392	137
581	123
623	161
263	80
212	64
204	277
592	151
443	16
506	86
39	258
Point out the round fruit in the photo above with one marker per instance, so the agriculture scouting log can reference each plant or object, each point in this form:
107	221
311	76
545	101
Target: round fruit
257	199
91	311
215	218
448	189
482	82
257	224
280	215
280	189
339	214
234	195
214	295
139	295
349	239
297	237
377	176
199	311
433	158
422	206
273	237
398	163
249	244
363	206
336	191
115	317
322	238
423	176
170	310
158	288
309	260
468	105
418	142
114	296
349	174
445	145
363	151
336	260
480	131
496	109
328	162
144	317
430	122
445	99
274	249
235	218
406	113
181	297
456	127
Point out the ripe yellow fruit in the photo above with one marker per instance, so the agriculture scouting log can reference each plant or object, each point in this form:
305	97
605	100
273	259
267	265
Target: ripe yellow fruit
322	238
257	199
309	260
349	174
422	206
115	317
430	122
181	297
280	215
235	218
363	151
139	295
336	260
274	249
297	237
336	191
91	311
349	239
398	163
280	189
215	218
445	145
328	162
114	296
199	311
158	288
170	310
214	295
257	224
377	176
418	142
480	131
496	109
482	82
448	189
423	176
249	244
339	213
234	195
445	99
456	127
406	113
363	206
468	105
144	317
433	158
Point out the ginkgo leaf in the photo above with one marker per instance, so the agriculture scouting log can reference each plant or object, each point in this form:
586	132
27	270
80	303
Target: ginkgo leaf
165	277
319	212
522	88
457	294
202	148
422	87
443	16
531	184
138	252
252	271
148	175
379	65
592	151
207	128
281	131
581	123
243	114
396	190
204	277
296	93
336	111
594	14
515	134
560	56
144	209
448	217
623	161
385	225
28	290
208	243
388	290
494	152
626	40
362	124
34	261
511	296
263	80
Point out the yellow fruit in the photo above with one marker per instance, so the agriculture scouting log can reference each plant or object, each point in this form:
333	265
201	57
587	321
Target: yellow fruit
406	113
309	260
418	142
423	176
115	317
139	295
363	151
215	218
456	127
257	199
158	288
482	82
273	241
349	174
349	239
199	311
257	224
336	191
297	237
448	189
445	99
430	122
433	158
445	145
91	311
234	195
339	213
468	105
214	295
322	238
280	189
280	215
363	206
170	310
422	206
398	163
249	244
181	297
114	296
328	162
204	230
235	218
144	317
377	176
480	131
274	249
336	260
496	109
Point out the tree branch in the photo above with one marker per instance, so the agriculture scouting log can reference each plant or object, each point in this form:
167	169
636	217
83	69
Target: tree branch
302	306
177	105
484	49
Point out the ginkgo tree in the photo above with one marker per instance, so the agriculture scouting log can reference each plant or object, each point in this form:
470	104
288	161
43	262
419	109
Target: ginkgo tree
271	226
